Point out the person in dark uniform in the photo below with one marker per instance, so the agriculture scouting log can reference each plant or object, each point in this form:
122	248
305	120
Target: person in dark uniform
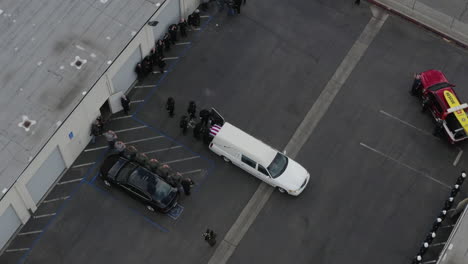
210	237
197	130
163	171
125	104
204	116
130	152
190	20
173	33
139	71
183	27
192	109
160	47
170	106
184	124
147	65
237	6
161	63
416	88
187	184
167	41
196	18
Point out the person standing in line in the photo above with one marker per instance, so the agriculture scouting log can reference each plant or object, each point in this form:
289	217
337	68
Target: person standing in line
161	63
357	2
184	124
167	42
111	137
173	33
94	131
183	28
170	106
237	5
125	104
160	47
187	184
119	147
192	109
139	71
204	116
196	18
210	237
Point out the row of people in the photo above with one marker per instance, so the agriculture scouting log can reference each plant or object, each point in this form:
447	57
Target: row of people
156	56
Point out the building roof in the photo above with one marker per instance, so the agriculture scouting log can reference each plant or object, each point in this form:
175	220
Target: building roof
456	248
39	41
250	146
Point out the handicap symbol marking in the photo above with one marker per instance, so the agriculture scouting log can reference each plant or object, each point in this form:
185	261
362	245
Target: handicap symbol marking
176	211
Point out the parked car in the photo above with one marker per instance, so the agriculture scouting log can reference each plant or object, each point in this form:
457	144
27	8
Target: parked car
144	185
439	97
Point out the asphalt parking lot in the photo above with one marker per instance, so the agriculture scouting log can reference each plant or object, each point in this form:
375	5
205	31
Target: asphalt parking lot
378	175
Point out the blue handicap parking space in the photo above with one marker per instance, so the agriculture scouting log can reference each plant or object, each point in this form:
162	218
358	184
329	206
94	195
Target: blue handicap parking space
176	212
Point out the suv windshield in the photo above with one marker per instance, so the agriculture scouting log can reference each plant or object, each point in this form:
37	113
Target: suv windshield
278	165
162	193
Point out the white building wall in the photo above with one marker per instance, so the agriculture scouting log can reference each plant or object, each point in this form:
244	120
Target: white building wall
187	7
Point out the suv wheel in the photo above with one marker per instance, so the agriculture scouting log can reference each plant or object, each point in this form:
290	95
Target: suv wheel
226	159
281	190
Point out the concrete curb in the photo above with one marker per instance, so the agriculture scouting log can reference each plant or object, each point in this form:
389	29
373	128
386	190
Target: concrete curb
443	25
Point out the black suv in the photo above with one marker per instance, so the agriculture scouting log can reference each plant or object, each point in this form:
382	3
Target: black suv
141	183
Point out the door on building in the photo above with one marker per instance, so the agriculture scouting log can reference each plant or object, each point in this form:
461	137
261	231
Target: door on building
10	222
46	175
126	76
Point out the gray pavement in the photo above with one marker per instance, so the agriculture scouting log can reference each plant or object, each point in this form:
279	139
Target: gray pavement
371	197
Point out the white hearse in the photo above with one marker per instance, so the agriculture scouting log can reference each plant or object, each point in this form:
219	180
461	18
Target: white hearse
259	159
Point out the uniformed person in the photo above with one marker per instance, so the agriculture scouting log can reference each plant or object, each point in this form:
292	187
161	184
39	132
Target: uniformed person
130	152
184	124
173	33
204	116
192	109
139	71
141	159
167	41
160	47
183	27
210	237
170	106
153	165
163	171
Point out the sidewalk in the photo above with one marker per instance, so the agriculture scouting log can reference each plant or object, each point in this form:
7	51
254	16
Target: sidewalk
448	18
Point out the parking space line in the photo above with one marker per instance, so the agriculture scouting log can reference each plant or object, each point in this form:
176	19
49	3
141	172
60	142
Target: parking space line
129	129
159	150
70	181
205	16
170	58
404	165
143	86
44	215
56	199
83	165
16	249
30	233
457	159
120	117
183	43
179	160
128	142
190	172
430	261
156	72
136	101
406	123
